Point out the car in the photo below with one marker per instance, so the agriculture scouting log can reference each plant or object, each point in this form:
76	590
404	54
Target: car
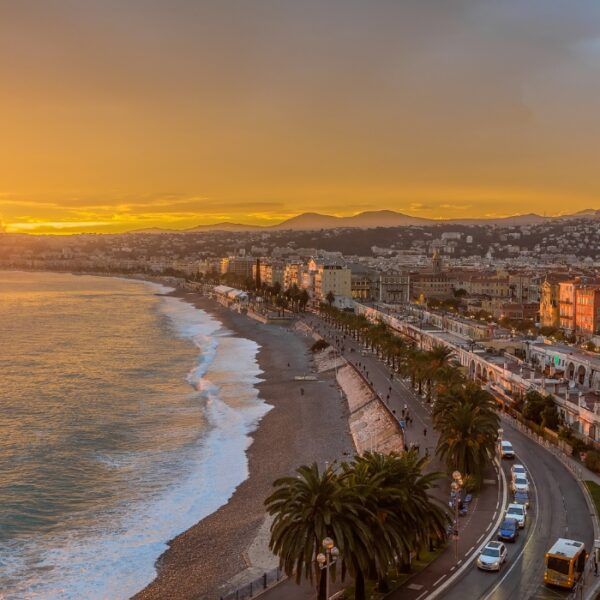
508	531
517	512
492	556
518	471
506	449
522	497
519	484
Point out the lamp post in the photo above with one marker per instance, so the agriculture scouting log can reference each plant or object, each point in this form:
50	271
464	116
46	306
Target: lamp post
456	487
326	559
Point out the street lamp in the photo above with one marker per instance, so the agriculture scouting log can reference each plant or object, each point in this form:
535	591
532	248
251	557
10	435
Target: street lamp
455	488
326	559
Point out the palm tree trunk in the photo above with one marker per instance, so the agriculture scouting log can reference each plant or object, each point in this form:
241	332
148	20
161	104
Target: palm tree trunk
359	586
322	593
382	585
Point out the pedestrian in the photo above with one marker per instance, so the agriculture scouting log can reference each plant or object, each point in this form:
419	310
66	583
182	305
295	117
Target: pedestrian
403	413
302	391
405	406
595	565
425	432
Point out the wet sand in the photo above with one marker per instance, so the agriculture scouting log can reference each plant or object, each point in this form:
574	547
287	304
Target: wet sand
298	430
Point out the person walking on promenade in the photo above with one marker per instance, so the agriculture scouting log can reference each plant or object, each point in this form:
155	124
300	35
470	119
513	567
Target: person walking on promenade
425	432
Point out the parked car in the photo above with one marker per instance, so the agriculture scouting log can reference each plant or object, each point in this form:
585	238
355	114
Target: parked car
509	530
519	484
517	512
522	497
506	449
518	470
492	556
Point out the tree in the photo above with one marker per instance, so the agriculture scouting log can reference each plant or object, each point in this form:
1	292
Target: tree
307	509
402	517
376	508
467	420
330	298
303	299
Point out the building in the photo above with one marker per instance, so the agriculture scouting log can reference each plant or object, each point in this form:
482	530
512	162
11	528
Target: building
330	276
270	273
363	283
394	287
566	305
238	265
432	282
587	310
292	275
549	303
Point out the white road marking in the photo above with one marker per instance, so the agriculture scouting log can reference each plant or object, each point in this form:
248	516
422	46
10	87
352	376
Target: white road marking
458	573
471	548
480	537
442	577
529	538
423	594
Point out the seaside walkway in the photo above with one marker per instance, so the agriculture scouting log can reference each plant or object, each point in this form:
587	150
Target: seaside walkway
398	395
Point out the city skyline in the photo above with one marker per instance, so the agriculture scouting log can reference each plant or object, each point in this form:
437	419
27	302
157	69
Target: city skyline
174	115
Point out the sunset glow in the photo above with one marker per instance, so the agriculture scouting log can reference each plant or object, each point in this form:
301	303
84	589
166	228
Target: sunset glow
123	116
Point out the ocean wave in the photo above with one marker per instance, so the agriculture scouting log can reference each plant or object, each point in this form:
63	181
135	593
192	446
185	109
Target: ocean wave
114	556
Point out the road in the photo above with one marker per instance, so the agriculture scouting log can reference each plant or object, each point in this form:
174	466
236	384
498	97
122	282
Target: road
558	509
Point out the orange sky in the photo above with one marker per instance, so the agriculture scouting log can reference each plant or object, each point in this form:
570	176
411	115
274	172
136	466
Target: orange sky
123	115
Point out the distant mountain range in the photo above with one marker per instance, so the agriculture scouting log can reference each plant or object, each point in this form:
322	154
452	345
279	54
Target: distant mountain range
372	219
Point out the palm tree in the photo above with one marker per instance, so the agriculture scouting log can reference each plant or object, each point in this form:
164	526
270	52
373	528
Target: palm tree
402	517
308	508
468	422
330	297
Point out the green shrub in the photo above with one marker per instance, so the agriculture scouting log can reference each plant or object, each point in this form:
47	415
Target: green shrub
592	461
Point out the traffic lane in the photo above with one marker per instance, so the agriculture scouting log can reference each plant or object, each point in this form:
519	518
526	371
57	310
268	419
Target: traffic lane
478	584
562	512
558	509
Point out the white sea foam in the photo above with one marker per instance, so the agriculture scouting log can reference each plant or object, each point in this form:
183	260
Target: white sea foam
115	557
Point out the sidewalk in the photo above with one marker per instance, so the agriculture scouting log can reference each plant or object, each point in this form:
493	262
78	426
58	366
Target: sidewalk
398	394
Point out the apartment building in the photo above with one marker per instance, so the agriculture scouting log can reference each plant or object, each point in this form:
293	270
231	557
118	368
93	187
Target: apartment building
587	310
330	276
270	272
549	302
292	275
566	305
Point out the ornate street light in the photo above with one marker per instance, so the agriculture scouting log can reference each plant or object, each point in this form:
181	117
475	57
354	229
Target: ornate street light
326	559
456	487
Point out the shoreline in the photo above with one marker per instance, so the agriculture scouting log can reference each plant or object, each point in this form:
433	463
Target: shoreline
200	562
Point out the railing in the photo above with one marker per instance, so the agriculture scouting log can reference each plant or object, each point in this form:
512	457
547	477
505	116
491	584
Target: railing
255	587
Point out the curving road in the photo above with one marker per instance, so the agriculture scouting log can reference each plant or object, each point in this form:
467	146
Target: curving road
558	509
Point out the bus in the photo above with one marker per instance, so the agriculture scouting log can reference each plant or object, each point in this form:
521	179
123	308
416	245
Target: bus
565	563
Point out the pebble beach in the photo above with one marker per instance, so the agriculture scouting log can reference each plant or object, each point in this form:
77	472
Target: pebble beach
203	562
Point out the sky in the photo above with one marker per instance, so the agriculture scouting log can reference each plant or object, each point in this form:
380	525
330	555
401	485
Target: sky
172	113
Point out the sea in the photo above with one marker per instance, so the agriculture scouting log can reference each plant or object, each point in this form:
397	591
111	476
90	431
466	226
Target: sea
125	416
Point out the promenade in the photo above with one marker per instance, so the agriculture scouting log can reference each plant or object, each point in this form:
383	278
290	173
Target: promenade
484	511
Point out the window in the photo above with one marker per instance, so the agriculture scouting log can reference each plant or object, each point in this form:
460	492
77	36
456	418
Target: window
558	564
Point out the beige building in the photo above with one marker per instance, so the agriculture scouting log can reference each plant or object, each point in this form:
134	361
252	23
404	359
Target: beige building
549	303
330	276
